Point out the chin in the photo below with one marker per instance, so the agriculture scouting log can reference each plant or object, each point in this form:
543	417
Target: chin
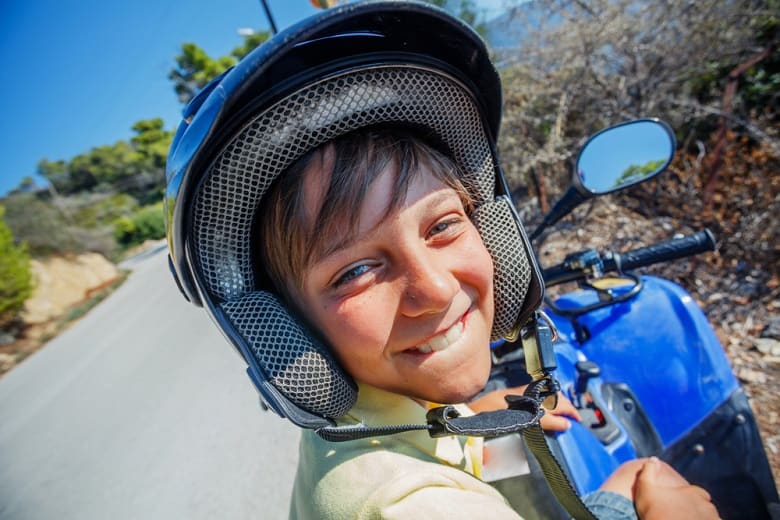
462	391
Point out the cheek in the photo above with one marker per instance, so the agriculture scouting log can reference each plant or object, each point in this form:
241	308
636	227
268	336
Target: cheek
479	275
479	266
356	326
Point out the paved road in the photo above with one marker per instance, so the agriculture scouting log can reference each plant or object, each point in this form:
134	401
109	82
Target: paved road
140	411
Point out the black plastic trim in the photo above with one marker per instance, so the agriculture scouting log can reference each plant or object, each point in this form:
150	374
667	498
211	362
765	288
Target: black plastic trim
724	455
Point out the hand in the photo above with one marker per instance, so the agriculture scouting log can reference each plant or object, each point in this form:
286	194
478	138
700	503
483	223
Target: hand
556	420
659	492
662	493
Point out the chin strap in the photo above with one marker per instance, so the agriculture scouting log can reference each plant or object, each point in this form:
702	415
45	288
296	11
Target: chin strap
538	336
526	410
446	420
554	474
359	431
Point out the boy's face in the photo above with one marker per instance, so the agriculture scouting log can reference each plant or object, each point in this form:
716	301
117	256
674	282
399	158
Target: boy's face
407	305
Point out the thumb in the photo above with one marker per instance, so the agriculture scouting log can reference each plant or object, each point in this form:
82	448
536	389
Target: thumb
648	474
652	466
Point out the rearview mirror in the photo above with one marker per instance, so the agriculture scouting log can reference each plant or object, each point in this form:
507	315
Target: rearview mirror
623	155
615	158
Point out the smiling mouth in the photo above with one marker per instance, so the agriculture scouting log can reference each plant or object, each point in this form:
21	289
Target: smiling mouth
441	341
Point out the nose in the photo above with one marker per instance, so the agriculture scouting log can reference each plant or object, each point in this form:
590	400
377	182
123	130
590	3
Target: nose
429	284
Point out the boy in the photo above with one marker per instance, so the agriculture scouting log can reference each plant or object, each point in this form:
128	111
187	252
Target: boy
335	204
403	294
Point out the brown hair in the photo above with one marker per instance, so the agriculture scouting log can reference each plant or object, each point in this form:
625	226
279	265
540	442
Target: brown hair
290	239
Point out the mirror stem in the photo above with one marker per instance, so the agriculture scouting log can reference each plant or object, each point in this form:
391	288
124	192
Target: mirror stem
570	200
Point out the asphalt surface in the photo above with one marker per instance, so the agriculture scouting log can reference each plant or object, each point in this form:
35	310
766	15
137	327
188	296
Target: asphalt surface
140	411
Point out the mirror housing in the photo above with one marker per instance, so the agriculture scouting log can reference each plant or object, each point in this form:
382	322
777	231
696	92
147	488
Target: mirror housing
614	159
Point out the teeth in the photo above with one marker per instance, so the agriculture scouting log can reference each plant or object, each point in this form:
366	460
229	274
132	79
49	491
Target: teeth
454	332
442	341
439	342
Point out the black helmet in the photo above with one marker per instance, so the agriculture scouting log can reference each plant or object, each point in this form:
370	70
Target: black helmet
354	66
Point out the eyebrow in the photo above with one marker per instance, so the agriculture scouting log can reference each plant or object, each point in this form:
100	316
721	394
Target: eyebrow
348	240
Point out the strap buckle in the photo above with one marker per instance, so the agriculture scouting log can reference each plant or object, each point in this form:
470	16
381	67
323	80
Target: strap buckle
538	336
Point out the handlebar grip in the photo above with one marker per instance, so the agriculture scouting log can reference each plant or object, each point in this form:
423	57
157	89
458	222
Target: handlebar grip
560	273
699	242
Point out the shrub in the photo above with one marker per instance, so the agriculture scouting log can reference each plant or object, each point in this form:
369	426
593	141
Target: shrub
145	224
41	224
97	210
15	278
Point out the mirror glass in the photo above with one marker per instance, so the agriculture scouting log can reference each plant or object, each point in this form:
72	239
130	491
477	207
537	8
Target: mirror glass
623	155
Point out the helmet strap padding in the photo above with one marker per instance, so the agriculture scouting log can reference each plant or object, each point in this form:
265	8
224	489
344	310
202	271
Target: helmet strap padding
288	356
514	267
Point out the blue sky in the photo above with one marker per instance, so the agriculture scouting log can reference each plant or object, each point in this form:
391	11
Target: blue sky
79	73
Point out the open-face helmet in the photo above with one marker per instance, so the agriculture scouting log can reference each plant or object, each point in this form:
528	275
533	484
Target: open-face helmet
350	67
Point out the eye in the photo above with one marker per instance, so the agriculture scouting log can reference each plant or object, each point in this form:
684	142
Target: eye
351	274
441	227
446	228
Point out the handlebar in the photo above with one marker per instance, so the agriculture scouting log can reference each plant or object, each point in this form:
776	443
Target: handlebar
699	242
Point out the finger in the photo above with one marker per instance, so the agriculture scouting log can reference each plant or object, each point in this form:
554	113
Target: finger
669	476
647	475
555	423
565	407
568	414
701	492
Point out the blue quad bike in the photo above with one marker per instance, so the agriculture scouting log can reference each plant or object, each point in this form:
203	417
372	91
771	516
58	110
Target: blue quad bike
637	357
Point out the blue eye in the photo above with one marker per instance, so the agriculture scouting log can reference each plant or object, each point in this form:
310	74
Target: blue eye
439	228
351	274
446	228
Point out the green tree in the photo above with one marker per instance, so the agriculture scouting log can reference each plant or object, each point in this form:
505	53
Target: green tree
56	172
105	165
136	167
466	10
26	185
250	42
195	68
152	142
16	282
